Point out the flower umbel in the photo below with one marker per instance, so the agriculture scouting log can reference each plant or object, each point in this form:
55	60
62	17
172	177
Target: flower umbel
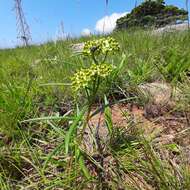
101	46
84	77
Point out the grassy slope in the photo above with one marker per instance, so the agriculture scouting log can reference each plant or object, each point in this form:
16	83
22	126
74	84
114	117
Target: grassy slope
23	95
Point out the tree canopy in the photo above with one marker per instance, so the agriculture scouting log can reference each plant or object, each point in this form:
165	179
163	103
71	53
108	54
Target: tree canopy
152	13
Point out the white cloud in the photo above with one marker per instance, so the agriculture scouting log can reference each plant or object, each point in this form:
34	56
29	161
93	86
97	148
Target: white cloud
108	23
86	32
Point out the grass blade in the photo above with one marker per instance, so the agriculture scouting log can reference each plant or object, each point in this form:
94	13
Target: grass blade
83	167
108	116
72	129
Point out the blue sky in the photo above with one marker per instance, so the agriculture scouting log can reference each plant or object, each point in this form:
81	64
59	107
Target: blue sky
44	16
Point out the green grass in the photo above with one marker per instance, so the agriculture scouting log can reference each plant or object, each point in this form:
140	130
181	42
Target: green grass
34	83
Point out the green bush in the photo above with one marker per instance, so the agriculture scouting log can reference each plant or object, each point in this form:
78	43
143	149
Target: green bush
152	13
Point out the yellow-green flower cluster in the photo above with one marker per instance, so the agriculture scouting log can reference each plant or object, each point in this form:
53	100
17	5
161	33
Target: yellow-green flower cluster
82	78
101	46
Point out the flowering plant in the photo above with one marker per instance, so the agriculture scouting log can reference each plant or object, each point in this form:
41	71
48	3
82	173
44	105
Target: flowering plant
92	76
88	80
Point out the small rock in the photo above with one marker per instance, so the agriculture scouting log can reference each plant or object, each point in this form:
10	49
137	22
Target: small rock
171	28
77	47
159	92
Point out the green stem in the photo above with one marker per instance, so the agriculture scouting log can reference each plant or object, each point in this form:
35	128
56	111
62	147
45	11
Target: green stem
105	57
91	100
94	59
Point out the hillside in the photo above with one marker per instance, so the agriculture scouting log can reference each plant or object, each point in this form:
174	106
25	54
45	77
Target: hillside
132	134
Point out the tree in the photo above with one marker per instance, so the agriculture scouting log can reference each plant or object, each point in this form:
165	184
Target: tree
152	13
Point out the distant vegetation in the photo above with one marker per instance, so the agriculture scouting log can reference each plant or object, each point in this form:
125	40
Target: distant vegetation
152	14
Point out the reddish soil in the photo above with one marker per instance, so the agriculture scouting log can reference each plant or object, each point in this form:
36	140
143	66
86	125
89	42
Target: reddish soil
164	124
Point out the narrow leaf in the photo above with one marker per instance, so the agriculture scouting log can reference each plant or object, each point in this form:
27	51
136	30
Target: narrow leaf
83	167
72	129
108	116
